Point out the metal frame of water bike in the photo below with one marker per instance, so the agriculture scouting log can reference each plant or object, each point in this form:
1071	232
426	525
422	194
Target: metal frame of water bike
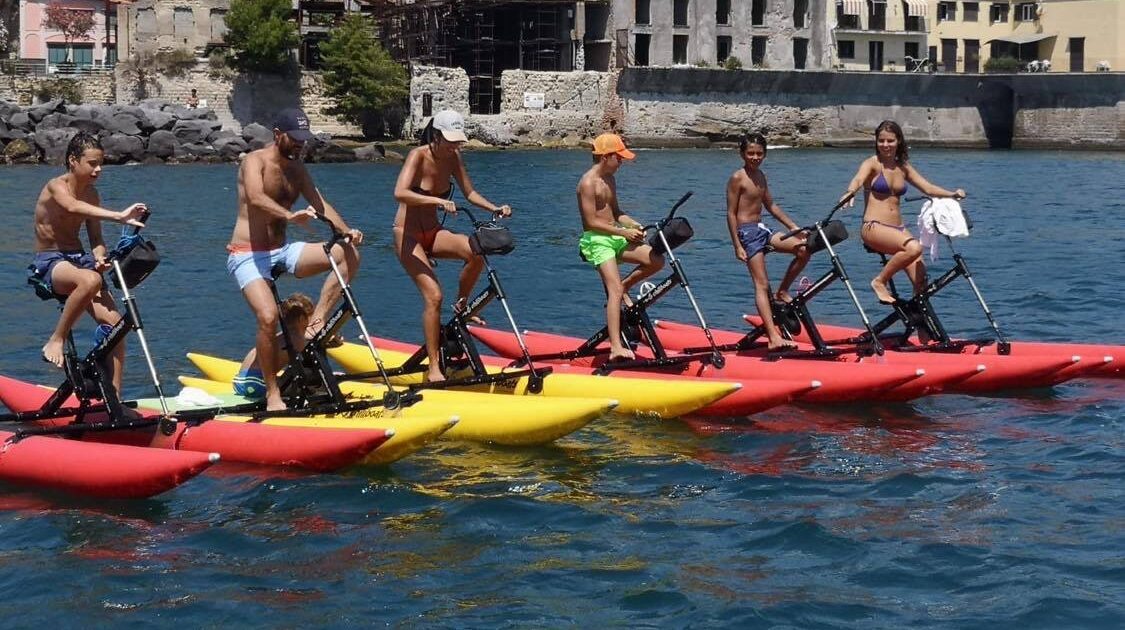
918	312
458	349
636	316
790	316
308	381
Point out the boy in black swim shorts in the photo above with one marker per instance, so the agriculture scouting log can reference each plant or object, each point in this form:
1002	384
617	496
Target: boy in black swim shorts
68	203
747	193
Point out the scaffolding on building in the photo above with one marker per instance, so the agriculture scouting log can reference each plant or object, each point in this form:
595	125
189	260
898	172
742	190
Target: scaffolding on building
484	37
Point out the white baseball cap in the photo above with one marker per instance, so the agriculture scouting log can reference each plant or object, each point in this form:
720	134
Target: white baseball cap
451	125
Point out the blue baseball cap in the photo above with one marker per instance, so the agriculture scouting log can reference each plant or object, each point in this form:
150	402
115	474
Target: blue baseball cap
294	123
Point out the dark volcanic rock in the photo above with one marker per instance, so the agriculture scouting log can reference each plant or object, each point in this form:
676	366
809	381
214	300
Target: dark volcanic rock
162	144
20	120
230	147
192	131
52	143
55	121
121	148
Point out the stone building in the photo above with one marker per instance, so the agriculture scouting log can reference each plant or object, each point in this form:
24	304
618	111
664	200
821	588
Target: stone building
150	26
775	34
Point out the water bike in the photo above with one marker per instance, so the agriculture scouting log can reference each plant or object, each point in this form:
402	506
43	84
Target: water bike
836	382
309	379
109	459
794	320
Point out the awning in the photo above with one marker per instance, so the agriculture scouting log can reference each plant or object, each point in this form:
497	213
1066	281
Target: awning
1023	39
853	7
915	8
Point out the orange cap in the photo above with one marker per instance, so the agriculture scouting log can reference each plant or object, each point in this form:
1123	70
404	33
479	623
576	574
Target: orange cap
612	143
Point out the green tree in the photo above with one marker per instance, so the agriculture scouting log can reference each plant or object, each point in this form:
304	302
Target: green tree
369	87
261	34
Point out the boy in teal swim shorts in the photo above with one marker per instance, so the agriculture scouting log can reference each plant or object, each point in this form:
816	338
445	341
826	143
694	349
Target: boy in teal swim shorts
296	311
611	236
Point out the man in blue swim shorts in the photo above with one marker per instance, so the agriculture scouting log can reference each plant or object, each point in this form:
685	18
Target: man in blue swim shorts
611	235
269	182
62	266
747	194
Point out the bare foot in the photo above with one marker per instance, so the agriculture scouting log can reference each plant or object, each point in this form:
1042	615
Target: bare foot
315	326
53	352
783	296
882	292
781	344
130	414
435	376
621	353
275	403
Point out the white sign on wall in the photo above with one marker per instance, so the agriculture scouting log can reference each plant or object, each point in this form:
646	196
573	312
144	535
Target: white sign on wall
533	100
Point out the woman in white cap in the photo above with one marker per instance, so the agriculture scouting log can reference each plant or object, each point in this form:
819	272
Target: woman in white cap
424	186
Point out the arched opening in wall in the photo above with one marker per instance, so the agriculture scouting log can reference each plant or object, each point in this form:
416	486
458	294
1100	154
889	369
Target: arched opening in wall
996	105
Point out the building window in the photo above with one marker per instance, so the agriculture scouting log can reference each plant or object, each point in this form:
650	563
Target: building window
800	13
758	13
1025	12
82	54
56	53
915	23
800	52
971	11
642	12
146	22
722	12
679	13
218	24
998	13
877	15
183	24
844	20
679	49
758	51
946	11
640	48
723	46
911	49
845	49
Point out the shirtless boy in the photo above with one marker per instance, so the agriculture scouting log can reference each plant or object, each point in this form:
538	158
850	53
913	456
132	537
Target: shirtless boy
611	235
269	182
747	193
67	203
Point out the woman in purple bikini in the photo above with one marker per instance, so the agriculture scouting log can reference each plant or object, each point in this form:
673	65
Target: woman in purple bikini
883	178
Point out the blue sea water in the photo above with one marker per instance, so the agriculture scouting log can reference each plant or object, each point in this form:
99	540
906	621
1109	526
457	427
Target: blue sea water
948	512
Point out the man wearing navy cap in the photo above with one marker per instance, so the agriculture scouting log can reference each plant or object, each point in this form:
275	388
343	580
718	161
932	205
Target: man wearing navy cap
269	182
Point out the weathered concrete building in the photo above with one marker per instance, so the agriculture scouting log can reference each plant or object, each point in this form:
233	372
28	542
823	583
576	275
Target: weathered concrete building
149	26
775	34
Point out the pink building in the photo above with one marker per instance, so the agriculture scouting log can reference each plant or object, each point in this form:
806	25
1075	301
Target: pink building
40	42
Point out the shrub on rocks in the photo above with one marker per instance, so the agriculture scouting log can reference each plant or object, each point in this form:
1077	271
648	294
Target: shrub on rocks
20	151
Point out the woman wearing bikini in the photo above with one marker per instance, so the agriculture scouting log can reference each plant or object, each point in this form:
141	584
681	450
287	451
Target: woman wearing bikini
425	185
883	178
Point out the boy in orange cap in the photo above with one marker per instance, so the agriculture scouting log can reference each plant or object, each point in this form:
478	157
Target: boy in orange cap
611	235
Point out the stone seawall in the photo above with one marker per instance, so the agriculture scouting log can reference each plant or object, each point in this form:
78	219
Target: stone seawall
24	89
842	108
697	106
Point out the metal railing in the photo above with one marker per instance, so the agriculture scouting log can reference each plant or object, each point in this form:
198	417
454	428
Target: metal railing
42	67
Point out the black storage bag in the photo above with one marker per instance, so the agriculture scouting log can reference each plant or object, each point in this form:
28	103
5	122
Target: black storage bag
834	230
138	258
491	238
677	231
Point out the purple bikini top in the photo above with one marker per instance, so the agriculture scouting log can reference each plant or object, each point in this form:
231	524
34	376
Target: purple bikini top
881	186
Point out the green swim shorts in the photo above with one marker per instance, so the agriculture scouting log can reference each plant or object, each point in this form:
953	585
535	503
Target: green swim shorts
596	248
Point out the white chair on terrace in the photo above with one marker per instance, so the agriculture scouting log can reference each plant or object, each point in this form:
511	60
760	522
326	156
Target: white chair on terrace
1045	65
1033	66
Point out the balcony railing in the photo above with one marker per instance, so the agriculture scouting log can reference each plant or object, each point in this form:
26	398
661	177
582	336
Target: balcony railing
42	67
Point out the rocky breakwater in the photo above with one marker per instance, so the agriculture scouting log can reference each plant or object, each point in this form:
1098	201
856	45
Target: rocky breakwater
152	131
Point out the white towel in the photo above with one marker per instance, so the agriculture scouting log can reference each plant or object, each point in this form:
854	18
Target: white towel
950	221
195	397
